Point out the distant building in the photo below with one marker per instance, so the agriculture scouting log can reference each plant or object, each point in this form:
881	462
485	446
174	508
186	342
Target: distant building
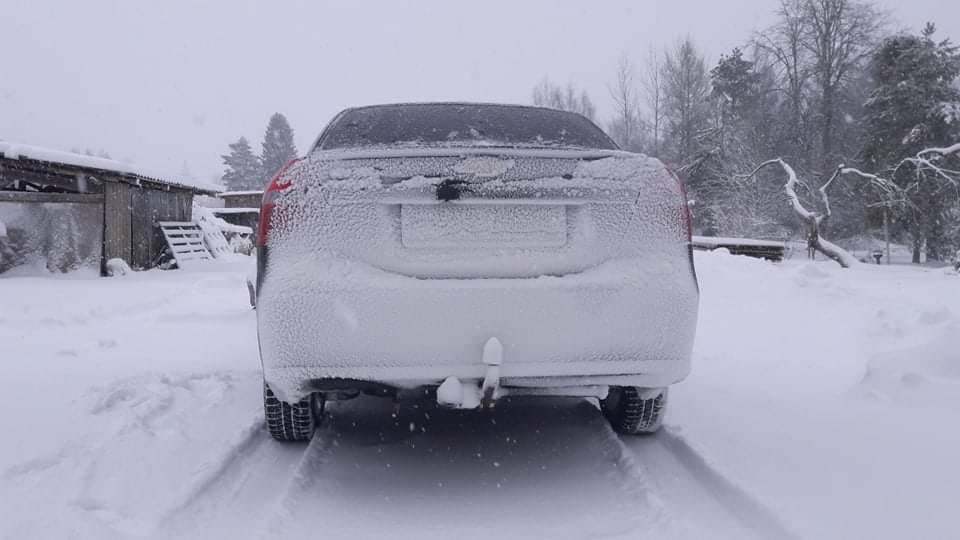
66	210
240	207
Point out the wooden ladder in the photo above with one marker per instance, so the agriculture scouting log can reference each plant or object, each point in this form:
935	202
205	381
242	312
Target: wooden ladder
185	240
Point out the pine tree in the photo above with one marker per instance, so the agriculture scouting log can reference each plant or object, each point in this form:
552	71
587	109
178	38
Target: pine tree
915	106
734	82
278	146
243	171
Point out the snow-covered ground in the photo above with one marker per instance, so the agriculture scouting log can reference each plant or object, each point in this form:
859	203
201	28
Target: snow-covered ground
824	403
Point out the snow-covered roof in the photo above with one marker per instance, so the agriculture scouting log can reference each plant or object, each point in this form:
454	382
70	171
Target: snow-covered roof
12	150
235	210
241	193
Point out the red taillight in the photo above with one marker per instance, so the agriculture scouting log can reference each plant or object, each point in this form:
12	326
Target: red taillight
276	185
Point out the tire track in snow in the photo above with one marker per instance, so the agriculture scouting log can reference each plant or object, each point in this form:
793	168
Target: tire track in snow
299	482
537	468
230	497
689	484
529	469
250	439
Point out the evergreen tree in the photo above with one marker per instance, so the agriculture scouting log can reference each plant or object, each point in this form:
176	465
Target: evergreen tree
243	171
734	82
914	106
278	146
740	139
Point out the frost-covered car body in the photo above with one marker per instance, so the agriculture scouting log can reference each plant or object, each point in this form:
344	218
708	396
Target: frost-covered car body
410	235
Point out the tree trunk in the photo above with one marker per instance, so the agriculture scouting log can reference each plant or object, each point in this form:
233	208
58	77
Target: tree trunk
826	140
817	243
886	230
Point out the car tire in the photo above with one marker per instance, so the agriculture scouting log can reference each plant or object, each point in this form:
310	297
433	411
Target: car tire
292	422
634	411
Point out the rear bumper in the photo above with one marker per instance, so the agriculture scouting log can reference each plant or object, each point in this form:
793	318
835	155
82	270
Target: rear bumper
624	322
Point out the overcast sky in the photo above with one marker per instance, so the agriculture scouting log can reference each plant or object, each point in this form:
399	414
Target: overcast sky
167	83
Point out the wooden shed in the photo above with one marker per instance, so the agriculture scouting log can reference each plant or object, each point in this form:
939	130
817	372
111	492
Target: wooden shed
240	207
37	181
241	199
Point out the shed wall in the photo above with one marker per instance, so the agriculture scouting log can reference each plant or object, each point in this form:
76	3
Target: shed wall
116	221
242	201
148	207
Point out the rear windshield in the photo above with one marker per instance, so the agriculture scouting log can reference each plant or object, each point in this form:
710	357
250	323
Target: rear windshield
462	125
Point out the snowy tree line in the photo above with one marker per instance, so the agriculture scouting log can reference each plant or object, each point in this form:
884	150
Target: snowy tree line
245	170
856	110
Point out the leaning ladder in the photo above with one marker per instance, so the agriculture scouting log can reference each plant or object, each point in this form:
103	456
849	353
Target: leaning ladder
185	240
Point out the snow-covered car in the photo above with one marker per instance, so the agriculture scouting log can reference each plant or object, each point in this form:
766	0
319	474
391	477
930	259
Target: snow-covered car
468	252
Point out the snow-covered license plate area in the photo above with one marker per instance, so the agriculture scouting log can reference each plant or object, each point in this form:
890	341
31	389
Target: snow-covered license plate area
823	403
468	226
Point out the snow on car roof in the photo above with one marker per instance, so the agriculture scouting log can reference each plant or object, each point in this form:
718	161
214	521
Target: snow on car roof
14	150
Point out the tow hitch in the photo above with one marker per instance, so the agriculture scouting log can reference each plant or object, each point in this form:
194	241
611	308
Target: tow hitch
492	357
467	395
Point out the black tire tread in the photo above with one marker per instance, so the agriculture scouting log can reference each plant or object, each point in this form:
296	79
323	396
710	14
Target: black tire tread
635	415
285	421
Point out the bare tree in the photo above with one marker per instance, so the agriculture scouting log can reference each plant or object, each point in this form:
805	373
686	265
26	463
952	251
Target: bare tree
926	166
626	124
686	99
653	92
568	98
839	36
783	42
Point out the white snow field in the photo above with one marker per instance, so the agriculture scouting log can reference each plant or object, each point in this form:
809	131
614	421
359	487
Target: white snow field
823	403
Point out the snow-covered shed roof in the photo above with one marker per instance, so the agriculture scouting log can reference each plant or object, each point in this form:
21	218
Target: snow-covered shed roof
18	151
241	193
235	210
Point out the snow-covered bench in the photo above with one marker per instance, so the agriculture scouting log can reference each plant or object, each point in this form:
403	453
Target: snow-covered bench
761	249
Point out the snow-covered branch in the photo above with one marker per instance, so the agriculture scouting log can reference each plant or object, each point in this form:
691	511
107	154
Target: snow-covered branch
924	161
889	189
927	160
945	151
789	187
811	218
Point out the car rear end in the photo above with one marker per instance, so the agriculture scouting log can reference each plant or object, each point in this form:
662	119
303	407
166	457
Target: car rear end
391	267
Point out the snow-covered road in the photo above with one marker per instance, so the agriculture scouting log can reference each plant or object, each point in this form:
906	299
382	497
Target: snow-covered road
823	404
531	469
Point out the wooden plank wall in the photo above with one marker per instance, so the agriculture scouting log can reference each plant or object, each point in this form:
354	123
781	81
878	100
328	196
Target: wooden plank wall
14	173
149	207
242	201
39	197
116	221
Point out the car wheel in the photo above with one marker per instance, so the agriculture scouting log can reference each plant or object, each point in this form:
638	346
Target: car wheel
632	410
292	422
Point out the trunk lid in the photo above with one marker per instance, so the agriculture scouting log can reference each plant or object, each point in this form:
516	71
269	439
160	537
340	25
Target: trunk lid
477	214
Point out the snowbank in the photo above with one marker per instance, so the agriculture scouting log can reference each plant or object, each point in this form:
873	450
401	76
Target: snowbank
830	394
821	398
